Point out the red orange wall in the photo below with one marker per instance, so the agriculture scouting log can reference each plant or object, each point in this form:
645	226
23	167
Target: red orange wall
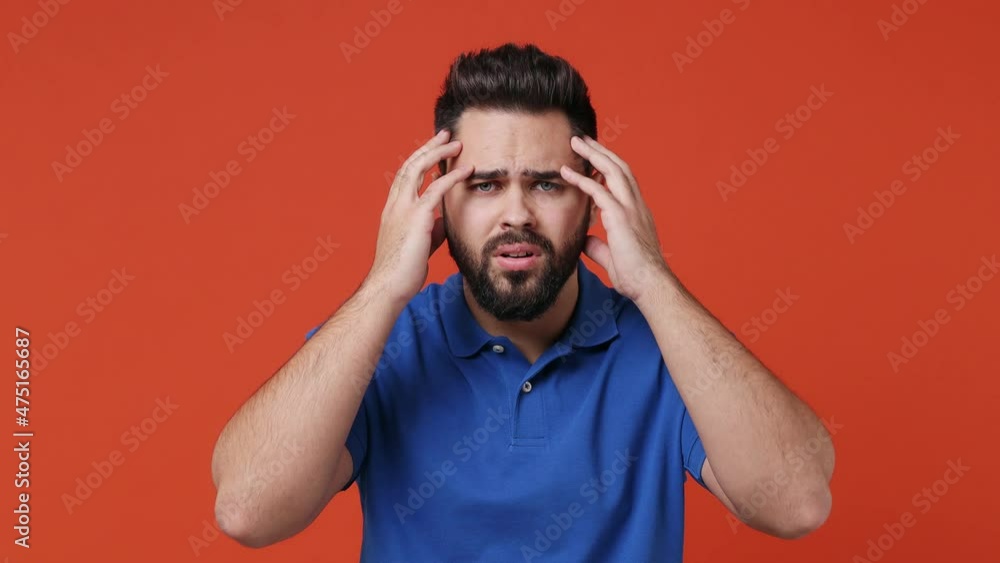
210	75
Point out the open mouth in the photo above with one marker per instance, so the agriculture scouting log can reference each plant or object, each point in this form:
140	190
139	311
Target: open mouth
513	259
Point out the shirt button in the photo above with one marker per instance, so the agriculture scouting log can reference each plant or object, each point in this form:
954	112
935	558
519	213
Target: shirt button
498	348
526	387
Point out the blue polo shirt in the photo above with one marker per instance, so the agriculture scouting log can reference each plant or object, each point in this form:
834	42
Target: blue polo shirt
464	451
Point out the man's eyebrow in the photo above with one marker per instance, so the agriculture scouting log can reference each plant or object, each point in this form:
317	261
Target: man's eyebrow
502	173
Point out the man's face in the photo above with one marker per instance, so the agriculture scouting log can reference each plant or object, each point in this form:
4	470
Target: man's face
515	227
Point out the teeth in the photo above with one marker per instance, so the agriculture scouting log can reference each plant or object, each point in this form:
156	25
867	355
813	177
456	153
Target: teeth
519	255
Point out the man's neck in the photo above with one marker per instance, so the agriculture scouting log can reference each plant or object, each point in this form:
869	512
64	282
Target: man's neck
532	338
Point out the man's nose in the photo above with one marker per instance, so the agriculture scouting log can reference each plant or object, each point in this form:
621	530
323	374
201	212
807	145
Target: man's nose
517	212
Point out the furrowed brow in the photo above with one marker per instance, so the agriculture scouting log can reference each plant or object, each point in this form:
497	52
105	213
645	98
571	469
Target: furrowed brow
488	174
541	174
502	173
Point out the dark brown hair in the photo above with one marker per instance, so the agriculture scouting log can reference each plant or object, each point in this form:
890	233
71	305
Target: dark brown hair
514	78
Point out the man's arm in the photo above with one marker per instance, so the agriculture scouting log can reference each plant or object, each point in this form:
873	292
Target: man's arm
750	423
307	408
310	404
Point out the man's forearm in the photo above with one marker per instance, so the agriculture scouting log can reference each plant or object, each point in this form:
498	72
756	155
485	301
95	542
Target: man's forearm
310	403
749	422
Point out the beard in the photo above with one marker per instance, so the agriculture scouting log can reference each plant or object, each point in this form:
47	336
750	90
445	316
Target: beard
517	295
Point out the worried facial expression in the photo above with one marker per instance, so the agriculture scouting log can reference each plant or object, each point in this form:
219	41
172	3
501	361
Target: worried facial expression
515	227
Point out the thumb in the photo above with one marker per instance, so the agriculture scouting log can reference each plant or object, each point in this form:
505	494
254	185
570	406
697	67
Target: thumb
437	235
598	251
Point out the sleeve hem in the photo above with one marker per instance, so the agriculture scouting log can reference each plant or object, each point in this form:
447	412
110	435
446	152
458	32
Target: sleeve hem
696	461
357	450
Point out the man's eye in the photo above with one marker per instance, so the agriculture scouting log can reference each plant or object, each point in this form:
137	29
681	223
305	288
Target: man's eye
551	186
477	186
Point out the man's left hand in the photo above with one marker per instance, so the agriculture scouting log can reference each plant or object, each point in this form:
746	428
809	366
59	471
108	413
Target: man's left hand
632	256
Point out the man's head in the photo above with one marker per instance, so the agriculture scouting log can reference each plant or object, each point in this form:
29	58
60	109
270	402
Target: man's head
514	109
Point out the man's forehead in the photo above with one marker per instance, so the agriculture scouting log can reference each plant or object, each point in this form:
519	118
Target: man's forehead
533	166
516	142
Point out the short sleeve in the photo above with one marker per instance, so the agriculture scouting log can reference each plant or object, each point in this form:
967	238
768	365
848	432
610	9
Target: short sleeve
692	450
357	438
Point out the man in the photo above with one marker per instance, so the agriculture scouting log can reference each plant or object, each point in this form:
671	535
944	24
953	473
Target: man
522	409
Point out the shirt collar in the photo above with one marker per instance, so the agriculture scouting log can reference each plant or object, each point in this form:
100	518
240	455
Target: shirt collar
594	320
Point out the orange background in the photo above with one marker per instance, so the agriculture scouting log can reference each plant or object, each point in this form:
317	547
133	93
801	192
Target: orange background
324	175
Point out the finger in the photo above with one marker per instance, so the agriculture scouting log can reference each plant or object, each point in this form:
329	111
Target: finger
437	140
602	197
598	251
411	176
617	160
618	183
436	190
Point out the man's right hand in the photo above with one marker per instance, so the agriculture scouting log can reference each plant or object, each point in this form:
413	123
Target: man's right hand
409	232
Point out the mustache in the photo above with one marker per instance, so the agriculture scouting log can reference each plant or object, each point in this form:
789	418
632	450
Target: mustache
512	237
